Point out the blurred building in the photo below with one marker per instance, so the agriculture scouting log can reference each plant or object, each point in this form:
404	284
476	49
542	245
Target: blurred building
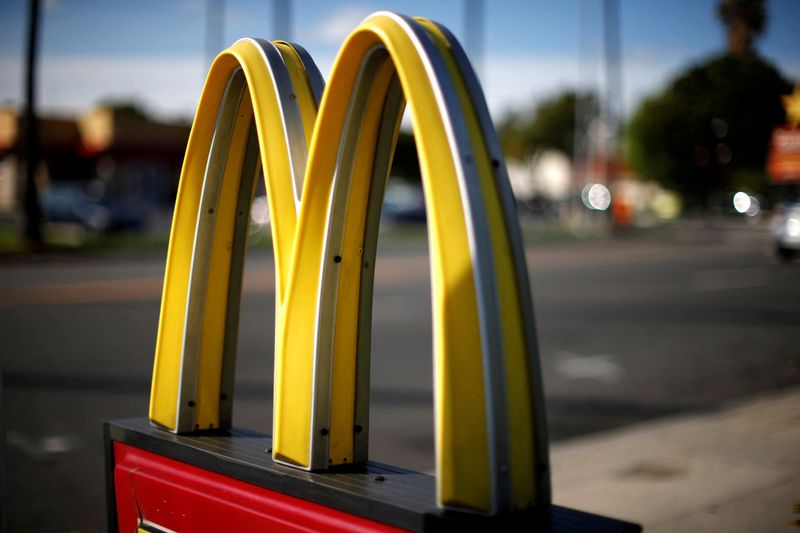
119	151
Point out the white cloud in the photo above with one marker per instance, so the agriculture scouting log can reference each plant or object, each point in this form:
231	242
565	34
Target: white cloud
10	80
52	5
513	82
167	86
519	82
338	25
170	86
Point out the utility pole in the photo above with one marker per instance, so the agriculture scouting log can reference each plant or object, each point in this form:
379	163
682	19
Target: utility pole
585	109
30	196
281	20
612	105
597	126
215	21
474	24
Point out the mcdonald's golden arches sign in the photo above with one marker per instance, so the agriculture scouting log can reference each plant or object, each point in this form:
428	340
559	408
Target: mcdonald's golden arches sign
325	153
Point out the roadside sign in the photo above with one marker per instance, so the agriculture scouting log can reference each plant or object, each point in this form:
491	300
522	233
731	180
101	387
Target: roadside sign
783	162
326	153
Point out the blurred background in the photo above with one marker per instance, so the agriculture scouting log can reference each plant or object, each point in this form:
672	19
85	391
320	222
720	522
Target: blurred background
653	148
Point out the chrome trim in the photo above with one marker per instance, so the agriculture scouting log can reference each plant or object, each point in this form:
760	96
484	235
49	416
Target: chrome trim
315	79
293	131
247	186
329	271
201	253
382	163
539	423
482	260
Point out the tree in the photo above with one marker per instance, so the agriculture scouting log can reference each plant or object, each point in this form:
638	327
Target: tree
550	125
709	131
126	107
744	20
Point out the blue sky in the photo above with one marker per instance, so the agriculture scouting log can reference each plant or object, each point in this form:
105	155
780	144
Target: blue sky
154	51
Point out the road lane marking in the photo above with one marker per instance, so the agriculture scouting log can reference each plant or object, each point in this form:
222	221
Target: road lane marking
728	279
135	289
604	368
257	280
48	449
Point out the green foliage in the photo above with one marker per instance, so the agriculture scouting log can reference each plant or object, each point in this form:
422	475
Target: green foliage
710	129
744	20
751	12
125	107
550	125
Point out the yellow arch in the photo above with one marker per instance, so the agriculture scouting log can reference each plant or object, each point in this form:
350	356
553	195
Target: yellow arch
484	355
195	333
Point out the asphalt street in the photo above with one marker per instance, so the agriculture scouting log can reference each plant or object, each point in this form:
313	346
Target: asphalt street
630	329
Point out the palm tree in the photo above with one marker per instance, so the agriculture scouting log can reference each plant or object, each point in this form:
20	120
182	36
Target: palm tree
744	20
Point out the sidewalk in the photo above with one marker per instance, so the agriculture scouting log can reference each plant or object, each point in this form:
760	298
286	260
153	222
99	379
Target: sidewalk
736	469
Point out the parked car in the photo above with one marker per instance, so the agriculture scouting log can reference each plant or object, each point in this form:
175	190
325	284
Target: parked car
786	230
68	204
92	207
403	203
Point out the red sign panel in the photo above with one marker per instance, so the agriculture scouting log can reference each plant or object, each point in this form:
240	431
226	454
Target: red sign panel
783	163
154	493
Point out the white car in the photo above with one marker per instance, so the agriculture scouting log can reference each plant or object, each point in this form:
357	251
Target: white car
786	230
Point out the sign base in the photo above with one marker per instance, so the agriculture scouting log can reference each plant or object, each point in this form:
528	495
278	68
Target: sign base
227	481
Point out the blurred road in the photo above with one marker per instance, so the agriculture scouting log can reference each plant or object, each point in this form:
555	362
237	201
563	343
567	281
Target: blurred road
629	329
